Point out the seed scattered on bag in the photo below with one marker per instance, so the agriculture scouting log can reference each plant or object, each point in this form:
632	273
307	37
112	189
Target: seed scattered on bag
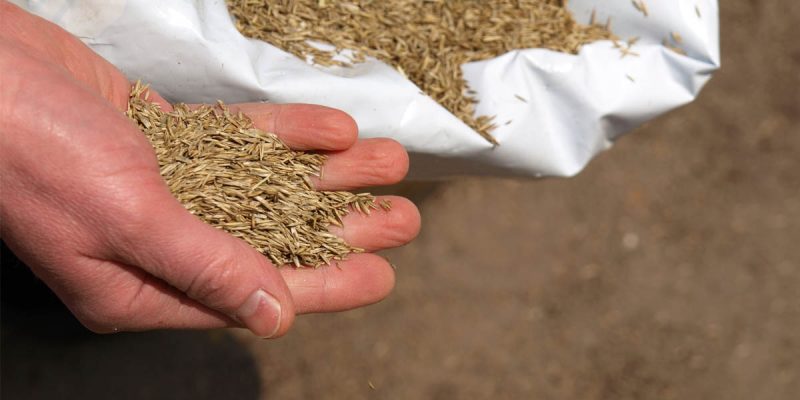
674	42
426	40
641	6
247	182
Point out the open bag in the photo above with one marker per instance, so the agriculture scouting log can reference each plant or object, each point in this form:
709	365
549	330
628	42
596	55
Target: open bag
555	111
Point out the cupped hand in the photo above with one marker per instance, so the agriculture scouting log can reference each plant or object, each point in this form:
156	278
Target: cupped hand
84	206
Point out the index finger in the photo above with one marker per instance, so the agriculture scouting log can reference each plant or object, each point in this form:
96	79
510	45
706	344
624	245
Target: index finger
303	126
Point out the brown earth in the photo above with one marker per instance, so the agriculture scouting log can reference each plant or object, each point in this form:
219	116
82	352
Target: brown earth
670	268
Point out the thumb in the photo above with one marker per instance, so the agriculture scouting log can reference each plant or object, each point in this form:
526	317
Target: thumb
208	265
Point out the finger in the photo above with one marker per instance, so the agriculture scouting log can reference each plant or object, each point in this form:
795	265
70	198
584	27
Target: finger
370	162
130	299
208	265
303	126
381	229
351	164
361	280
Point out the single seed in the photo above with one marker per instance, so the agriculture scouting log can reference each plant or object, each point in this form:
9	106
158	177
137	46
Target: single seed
641	7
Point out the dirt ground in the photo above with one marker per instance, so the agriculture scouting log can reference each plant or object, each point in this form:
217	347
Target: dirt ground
669	269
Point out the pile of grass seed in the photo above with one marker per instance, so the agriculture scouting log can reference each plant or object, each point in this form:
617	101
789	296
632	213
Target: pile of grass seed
427	40
247	182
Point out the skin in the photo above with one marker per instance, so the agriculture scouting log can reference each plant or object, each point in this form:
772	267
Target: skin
84	206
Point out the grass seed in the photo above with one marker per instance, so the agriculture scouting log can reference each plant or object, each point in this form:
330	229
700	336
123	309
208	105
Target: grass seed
247	182
425	40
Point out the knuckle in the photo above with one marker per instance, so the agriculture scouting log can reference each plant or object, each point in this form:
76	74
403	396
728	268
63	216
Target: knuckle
387	162
216	280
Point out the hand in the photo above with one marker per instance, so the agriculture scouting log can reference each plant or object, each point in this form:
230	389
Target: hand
84	206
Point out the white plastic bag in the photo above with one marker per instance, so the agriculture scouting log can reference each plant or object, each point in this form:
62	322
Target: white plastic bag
189	50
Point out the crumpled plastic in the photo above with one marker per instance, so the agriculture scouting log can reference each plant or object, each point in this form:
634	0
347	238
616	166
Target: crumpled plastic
555	111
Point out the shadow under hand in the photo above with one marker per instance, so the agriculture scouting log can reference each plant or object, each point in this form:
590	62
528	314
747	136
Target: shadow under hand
46	354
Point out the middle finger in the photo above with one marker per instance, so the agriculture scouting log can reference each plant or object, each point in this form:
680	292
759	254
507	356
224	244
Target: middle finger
370	162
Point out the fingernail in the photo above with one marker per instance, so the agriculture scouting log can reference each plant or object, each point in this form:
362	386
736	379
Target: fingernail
261	313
